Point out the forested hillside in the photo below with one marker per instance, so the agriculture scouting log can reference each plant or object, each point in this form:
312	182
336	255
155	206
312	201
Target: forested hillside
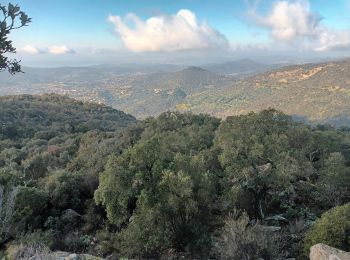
43	140
318	92
82	177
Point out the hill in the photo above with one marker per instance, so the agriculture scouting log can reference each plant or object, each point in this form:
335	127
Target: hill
25	116
189	80
238	68
151	94
140	90
43	138
316	92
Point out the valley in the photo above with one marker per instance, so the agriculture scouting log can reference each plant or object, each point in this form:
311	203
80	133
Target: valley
315	92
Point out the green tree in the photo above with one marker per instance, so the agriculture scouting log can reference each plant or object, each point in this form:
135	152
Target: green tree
12	18
161	192
333	182
260	157
66	190
30	208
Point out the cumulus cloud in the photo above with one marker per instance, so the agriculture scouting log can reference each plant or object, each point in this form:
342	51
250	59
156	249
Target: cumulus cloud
30	49
181	31
329	40
290	20
55	49
294	22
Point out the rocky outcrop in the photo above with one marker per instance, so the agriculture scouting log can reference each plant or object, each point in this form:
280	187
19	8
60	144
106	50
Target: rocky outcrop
59	255
324	252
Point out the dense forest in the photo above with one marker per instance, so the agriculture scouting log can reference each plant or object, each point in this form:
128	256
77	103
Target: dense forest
83	177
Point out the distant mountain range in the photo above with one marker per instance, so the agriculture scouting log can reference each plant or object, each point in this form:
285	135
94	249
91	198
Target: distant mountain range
154	93
316	92
239	68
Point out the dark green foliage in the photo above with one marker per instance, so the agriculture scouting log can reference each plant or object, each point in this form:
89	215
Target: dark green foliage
170	190
30	206
98	181
48	116
12	18
162	187
66	190
281	164
49	168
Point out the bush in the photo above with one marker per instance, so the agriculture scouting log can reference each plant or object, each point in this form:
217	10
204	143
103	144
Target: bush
243	239
66	190
76	242
30	245
23	252
30	206
333	229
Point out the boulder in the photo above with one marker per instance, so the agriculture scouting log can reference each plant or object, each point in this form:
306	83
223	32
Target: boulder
324	252
81	257
60	255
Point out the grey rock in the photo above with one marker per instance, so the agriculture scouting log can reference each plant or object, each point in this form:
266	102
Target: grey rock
324	252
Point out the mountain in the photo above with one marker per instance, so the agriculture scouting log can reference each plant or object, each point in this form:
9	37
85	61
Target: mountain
189	80
239	68
152	94
319	92
134	90
316	92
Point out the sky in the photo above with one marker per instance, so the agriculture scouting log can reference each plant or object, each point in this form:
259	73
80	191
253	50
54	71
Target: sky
85	32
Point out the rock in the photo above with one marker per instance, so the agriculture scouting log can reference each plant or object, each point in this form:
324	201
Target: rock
324	252
72	257
272	228
70	215
82	257
60	255
277	218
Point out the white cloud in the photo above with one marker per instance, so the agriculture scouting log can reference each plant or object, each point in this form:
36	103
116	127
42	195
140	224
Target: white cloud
333	40
30	49
181	31
293	22
55	49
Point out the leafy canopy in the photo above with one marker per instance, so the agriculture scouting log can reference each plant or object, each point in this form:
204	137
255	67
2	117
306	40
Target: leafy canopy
12	18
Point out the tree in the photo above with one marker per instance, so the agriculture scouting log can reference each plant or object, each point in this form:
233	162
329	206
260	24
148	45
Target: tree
11	14
7	205
258	157
162	191
333	182
30	207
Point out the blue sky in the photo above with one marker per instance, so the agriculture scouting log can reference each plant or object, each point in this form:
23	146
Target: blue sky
91	30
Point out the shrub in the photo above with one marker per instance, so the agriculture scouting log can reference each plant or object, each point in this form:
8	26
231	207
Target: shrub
76	242
23	252
31	245
333	229
243	239
30	206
